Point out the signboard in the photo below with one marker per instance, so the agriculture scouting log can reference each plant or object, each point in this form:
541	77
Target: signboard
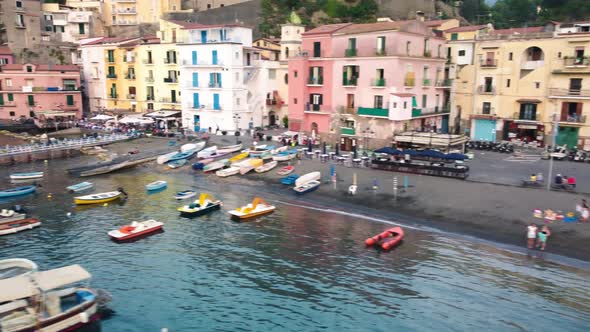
527	126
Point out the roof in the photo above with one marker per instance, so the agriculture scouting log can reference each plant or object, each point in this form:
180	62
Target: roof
529	101
435	23
5	50
371	27
270	40
110	40
466	28
194	25
63	276
41	67
16	288
162	114
328	28
517	31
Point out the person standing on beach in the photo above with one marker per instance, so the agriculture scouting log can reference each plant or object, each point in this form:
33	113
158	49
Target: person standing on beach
542	237
531	235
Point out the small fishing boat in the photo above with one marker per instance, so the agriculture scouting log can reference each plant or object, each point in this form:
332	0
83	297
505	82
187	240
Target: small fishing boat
388	239
177	163
289	179
202	206
18	225
207	153
192	146
165	157
135	229
75	188
201	164
98	198
26	176
266	167
183	155
258	207
285	155
11	215
260	150
229	149
307	183
286	170
238	157
156	185
185	194
228	171
17	191
14	267
216	165
249	164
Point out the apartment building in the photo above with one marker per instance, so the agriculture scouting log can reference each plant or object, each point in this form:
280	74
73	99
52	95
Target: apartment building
134	12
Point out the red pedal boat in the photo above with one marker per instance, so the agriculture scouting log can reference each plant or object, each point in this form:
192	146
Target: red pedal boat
136	229
388	239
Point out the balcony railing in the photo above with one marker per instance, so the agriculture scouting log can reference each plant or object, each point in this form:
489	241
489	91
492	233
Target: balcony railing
170	80
347	131
380	51
424	111
572	93
129	59
169	61
315	80
110	60
490	112
426	82
488	63
150	97
131	96
572	118
532	64
148	61
168	100
314	108
444	83
486	89
374	112
583	61
111	75
149	79
130	76
202	63
215	85
113	95
530	117
408	82
349	82
350	52
271	102
378	82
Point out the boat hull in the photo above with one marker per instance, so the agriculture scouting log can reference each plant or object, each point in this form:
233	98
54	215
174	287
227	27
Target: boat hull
387	239
201	212
80	187
19	226
136	235
250	215
19	191
70	320
26	176
84	200
185	195
306	188
155	187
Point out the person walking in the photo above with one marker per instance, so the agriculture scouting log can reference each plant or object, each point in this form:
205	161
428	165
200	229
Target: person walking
531	235
571	181
542	237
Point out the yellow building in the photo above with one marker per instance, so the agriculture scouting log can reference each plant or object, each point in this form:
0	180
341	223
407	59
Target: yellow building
270	48
133	12
525	83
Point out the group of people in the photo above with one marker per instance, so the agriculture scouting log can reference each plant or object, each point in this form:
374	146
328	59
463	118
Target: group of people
562	180
537	238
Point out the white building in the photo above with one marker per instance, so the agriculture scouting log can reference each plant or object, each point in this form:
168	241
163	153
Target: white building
224	82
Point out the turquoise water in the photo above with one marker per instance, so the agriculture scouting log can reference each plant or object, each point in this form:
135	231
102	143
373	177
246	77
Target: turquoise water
298	269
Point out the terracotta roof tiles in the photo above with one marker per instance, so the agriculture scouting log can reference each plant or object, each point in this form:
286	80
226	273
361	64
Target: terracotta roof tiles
326	29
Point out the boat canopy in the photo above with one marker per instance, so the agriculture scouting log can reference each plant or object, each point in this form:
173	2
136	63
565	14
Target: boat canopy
63	276
17	288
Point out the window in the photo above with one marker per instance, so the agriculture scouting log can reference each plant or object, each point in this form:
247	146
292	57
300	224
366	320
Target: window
150	106
69	85
424	100
510	56
31	100
295	73
111	55
350	75
380	46
316	100
3	61
528	112
20	20
454	36
237	55
408	46
12	114
559	55
111	73
537	85
378	102
81	28
508	83
237	77
295	101
286	78
70	100
19	4
317	49
272	74
8	82
47	17
10	96
486	108
394	105
29	69
461	52
1	99
405	104
237	101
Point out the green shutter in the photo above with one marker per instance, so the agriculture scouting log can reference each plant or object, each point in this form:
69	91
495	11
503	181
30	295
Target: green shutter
10	96
81	28
1	99
70	100
31	100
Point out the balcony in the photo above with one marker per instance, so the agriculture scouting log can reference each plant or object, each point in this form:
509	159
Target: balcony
130	76
380	52
131	11
129	59
315	81
583	61
271	102
426	82
150	98
170	80
113	95
203	63
430	111
427	54
317	109
572	118
347	131
526	117
111	75
532	64
149	79
569	93
168	100
378	83
215	85
486	90
409	82
349	82
350	52
373	112
148	62
111	60
169	61
444	83
484	113
131	96
488	63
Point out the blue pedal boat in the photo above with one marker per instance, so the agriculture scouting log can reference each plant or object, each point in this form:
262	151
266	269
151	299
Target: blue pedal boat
157	185
17	191
289	179
76	188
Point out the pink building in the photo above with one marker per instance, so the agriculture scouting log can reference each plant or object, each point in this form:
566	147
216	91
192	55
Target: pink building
6	55
368	81
47	93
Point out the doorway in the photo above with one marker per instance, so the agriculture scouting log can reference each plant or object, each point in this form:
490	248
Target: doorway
197	123
350	103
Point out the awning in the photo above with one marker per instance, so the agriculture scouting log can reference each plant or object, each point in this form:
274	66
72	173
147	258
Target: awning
102	117
529	101
136	119
16	288
64	276
53	114
163	114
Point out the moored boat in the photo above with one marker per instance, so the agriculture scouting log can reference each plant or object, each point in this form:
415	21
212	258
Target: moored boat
229	149
257	208
59	305
261	150
182	155
216	165
98	198
207	152
388	239
136	229
80	187
289	179
201	164
14	267
266	167
307	183
285	155
202	206
17	191
185	194
26	176
232	170
177	163
165	157
286	170
18	225
192	146
238	157
156	185
249	164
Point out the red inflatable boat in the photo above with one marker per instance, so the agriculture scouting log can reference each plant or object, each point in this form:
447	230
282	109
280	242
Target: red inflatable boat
388	239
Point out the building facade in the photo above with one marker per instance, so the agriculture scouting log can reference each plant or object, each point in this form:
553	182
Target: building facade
45	93
134	12
368	81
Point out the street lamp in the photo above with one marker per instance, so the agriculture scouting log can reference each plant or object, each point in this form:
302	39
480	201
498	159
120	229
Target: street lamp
553	142
367	133
237	118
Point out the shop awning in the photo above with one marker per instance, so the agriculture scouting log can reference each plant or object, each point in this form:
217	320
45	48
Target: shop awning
163	114
136	119
529	101
102	117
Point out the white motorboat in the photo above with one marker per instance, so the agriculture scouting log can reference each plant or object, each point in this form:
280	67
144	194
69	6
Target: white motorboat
165	157
266	167
228	172
207	152
193	146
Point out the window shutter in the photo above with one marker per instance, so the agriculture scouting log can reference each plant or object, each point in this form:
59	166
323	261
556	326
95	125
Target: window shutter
321	100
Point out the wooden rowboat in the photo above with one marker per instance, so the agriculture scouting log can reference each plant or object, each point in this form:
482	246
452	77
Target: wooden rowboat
98	198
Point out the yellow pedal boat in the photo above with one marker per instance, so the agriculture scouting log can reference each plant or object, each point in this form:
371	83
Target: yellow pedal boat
257	208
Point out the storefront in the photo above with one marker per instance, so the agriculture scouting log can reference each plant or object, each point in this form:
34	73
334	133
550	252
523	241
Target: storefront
484	130
524	131
567	136
166	119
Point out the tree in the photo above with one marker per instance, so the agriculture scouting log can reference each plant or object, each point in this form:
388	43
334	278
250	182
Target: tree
471	9
514	13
